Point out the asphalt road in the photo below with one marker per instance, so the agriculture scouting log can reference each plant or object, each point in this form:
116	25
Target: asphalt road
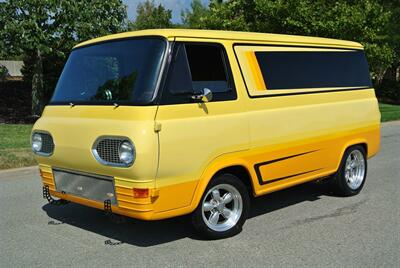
302	226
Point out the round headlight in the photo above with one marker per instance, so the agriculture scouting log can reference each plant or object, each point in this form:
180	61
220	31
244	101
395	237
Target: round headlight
126	152
37	142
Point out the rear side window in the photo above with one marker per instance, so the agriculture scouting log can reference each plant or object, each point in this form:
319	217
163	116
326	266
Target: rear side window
283	70
195	67
305	69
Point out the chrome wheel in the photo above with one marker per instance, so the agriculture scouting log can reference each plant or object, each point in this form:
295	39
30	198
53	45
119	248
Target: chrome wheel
355	169
222	207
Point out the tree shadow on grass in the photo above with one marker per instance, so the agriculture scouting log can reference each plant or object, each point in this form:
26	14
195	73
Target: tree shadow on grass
150	233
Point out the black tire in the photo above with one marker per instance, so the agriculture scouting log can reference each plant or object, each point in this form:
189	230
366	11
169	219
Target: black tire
340	183
197	216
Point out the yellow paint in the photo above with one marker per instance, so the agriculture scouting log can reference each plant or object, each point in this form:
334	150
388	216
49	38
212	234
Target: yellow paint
181	147
47	176
337	143
244	37
256	74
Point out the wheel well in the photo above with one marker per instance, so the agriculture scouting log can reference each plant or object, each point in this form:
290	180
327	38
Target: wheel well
364	145
241	172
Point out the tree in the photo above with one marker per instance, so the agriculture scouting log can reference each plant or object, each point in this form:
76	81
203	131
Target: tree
3	72
196	16
2	24
150	16
45	31
230	15
365	21
394	36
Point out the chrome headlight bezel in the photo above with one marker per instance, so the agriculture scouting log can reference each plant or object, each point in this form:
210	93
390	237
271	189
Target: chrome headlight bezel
116	151
41	140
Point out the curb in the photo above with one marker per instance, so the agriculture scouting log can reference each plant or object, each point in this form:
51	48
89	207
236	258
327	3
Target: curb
394	122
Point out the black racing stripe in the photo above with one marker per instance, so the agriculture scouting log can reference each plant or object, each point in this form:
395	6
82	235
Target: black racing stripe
283	158
290	176
310	92
258	165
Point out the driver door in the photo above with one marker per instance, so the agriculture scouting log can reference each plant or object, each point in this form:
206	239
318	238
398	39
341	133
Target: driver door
192	133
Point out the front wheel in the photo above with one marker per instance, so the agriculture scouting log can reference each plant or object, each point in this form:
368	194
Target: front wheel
352	173
223	208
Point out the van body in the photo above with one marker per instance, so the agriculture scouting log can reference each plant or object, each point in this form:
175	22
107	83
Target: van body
146	123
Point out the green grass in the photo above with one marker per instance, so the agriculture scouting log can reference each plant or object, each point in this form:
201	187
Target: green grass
389	112
15	149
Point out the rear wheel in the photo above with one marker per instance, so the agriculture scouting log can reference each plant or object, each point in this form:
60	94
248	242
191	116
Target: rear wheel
223	208
352	173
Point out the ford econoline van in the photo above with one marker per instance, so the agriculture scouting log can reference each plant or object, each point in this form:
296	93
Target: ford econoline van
160	123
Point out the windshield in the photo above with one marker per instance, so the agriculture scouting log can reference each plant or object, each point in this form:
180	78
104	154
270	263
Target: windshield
122	72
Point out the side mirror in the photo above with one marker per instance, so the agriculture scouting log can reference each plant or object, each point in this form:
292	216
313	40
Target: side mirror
205	96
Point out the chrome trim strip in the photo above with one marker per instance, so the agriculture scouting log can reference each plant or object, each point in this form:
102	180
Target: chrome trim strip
103	162
164	63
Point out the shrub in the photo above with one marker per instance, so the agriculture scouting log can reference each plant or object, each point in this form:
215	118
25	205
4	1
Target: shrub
389	91
3	72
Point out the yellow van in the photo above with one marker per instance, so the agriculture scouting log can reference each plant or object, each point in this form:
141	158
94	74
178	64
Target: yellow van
160	123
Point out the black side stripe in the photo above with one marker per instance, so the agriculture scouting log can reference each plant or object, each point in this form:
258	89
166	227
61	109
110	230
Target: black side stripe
309	92
258	165
290	176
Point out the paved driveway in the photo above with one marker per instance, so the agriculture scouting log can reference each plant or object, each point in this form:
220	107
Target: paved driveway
302	226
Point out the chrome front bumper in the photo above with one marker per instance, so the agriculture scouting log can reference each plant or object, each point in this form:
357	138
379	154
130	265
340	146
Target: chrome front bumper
89	186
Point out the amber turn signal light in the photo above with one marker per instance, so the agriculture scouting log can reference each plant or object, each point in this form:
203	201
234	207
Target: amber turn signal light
140	193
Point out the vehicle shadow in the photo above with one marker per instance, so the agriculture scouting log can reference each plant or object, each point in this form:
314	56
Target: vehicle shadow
150	233
288	197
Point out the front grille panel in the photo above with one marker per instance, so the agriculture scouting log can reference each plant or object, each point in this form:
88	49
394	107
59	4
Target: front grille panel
107	149
47	144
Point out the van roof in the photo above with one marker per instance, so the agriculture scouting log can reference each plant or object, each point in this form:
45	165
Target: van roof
244	37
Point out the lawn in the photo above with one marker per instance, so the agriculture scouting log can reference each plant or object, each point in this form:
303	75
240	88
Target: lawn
389	112
15	149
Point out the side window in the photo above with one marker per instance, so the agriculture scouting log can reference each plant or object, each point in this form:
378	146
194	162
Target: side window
207	67
270	70
195	67
316	69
